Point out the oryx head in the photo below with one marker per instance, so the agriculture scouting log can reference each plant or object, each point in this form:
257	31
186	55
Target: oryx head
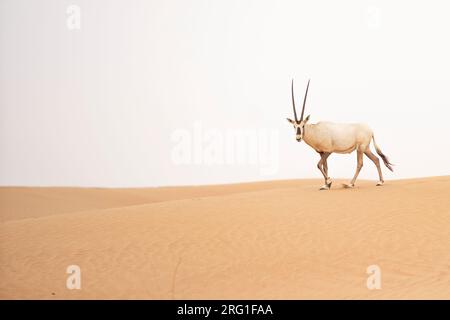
299	125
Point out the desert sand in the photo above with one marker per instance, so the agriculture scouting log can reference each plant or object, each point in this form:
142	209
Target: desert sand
268	240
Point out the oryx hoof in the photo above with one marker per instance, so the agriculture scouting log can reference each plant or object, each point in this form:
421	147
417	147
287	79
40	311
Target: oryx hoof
326	186
349	186
380	183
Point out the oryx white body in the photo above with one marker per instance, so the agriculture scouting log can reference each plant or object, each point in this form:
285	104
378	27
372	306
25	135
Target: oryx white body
328	137
337	137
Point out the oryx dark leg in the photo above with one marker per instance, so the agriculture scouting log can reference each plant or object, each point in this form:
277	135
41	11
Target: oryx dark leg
376	161
323	167
358	167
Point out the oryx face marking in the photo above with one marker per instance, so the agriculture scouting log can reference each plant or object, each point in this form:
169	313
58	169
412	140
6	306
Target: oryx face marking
299	129
299	134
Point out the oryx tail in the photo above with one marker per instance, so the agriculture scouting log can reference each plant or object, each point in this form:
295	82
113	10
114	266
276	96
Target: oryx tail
382	155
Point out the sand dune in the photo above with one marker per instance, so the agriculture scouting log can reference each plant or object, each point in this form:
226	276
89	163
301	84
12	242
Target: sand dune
268	240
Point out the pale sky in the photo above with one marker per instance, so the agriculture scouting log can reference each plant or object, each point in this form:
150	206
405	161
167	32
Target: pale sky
142	92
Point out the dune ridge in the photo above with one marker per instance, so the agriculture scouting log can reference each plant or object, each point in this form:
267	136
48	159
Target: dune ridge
264	240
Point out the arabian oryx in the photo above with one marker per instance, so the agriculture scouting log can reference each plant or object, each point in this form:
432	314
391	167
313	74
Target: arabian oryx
329	137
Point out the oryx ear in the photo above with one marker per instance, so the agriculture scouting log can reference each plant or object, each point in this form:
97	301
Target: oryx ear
290	121
307	118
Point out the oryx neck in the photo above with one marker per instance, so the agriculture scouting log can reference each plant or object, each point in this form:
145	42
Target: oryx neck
308	134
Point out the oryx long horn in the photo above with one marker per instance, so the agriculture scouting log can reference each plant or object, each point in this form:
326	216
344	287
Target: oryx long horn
304	101
293	100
